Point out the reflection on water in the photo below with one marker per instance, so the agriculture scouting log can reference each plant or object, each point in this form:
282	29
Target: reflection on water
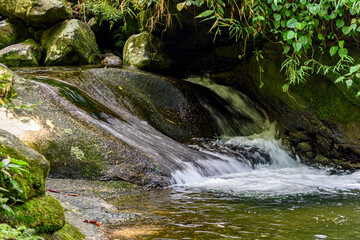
193	213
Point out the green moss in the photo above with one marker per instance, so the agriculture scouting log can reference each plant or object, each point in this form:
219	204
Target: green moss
78	152
26	54
12	31
318	94
32	183
68	232
45	214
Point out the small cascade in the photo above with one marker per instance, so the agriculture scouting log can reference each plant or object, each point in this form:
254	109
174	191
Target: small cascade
248	159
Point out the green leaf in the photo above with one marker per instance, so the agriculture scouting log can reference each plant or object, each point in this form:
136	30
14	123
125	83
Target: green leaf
285	87
290	34
277	17
341	43
286	49
333	50
291	23
354	69
349	83
340	23
7	209
180	6
297	46
339	79
343	52
303	40
205	13
321	37
346	30
5	162
358	94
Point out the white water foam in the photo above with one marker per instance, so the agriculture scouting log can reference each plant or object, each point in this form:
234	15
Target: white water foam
284	176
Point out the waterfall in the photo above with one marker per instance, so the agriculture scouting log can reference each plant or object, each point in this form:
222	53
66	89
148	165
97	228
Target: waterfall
248	159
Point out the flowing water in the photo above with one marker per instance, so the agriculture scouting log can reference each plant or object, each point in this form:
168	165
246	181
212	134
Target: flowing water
255	191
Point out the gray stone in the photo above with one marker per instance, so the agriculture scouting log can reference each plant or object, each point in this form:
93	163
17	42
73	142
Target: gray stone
111	60
26	54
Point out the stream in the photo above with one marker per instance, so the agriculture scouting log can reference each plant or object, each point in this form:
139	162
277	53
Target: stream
256	191
242	184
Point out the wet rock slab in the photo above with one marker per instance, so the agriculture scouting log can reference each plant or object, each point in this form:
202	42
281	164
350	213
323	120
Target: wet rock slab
84	200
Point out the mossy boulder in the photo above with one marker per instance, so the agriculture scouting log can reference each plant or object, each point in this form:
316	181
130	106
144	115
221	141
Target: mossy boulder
44	214
6	81
71	42
39	13
26	54
12	31
68	232
32	183
145	51
317	119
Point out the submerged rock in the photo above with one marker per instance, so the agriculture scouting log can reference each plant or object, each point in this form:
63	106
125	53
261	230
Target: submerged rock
39	13
145	51
12	31
26	54
70	43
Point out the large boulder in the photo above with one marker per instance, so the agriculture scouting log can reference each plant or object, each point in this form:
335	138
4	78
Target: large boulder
26	54
97	130
70	43
32	183
145	51
12	31
39	13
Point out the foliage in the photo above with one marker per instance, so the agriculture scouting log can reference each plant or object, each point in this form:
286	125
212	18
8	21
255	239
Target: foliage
302	27
20	233
10	168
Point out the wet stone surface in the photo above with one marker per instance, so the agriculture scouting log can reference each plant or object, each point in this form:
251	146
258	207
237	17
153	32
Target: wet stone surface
83	200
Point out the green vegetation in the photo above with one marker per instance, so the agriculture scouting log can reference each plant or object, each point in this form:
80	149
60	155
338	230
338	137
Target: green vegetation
9	169
20	233
309	31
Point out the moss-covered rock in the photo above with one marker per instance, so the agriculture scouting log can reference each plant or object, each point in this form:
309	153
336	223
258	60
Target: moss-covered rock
68	232
26	54
6	81
12	31
70	43
145	51
32	183
40	13
44	214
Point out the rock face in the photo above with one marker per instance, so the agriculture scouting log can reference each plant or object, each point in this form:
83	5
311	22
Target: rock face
26	54
12	31
70	43
318	122
39	13
97	129
145	51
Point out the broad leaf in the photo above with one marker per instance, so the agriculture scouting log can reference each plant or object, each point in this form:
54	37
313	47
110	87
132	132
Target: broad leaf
333	50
